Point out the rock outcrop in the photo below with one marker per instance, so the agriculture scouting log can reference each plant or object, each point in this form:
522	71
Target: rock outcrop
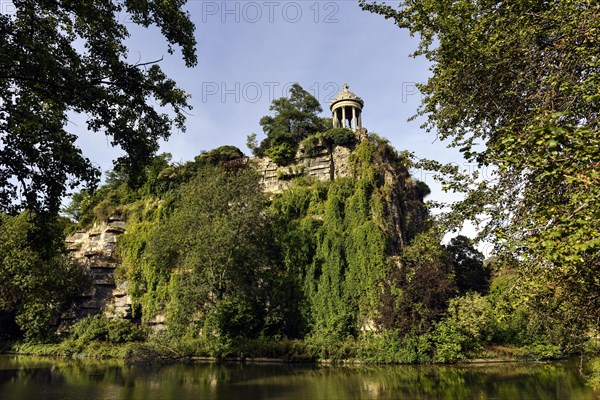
324	163
95	248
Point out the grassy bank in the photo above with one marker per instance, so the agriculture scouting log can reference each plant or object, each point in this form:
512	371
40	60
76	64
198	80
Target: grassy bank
369	350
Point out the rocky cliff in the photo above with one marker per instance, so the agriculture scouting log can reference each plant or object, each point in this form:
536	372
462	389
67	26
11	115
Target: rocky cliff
322	162
95	248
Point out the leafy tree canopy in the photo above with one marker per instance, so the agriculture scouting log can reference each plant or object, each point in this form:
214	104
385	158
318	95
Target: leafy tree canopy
208	263
416	295
296	117
469	270
515	86
220	155
64	56
35	278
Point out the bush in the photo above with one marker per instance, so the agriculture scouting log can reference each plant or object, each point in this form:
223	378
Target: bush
233	317
544	351
392	347
281	154
332	137
594	378
311	144
291	173
470	325
451	342
111	330
340	137
220	155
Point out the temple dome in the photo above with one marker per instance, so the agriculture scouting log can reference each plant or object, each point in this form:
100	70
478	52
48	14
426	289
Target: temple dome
345	94
346	110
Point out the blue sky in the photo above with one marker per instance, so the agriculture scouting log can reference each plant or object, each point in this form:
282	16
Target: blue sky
249	52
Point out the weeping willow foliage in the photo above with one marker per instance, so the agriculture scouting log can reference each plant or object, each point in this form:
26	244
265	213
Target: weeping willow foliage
338	239
147	281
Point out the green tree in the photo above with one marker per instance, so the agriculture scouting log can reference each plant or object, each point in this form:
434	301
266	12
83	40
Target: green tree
34	281
296	117
65	56
211	261
416	293
470	273
515	87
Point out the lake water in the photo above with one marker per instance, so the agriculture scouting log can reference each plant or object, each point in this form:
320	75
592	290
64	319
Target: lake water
46	378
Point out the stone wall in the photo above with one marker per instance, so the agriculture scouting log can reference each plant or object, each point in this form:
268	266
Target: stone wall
324	163
95	248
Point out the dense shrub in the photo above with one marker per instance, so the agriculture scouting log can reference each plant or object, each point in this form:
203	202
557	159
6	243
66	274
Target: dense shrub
220	155
469	325
36	276
340	137
281	154
416	293
112	330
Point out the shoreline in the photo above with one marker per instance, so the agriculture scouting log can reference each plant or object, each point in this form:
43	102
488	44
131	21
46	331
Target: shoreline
164	360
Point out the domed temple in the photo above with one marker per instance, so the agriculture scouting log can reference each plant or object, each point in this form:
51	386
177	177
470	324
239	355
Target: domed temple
324	162
346	109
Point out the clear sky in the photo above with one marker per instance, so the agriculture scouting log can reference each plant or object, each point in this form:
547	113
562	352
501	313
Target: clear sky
250	52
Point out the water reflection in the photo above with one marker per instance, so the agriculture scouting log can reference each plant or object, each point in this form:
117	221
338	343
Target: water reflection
35	378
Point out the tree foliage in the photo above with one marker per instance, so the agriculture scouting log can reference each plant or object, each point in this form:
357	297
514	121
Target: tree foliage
207	264
336	240
470	272
515	88
516	311
61	57
220	155
416	293
296	117
36	277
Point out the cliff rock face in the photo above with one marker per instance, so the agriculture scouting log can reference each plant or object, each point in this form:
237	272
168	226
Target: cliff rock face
323	163
404	211
95	248
402	216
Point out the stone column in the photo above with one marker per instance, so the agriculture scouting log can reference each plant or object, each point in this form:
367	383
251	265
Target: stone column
344	122
360	120
354	119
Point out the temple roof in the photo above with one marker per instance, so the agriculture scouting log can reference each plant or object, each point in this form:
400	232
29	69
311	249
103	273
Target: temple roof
346	94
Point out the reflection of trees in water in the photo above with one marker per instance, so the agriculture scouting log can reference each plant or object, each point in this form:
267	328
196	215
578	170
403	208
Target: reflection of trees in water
113	380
